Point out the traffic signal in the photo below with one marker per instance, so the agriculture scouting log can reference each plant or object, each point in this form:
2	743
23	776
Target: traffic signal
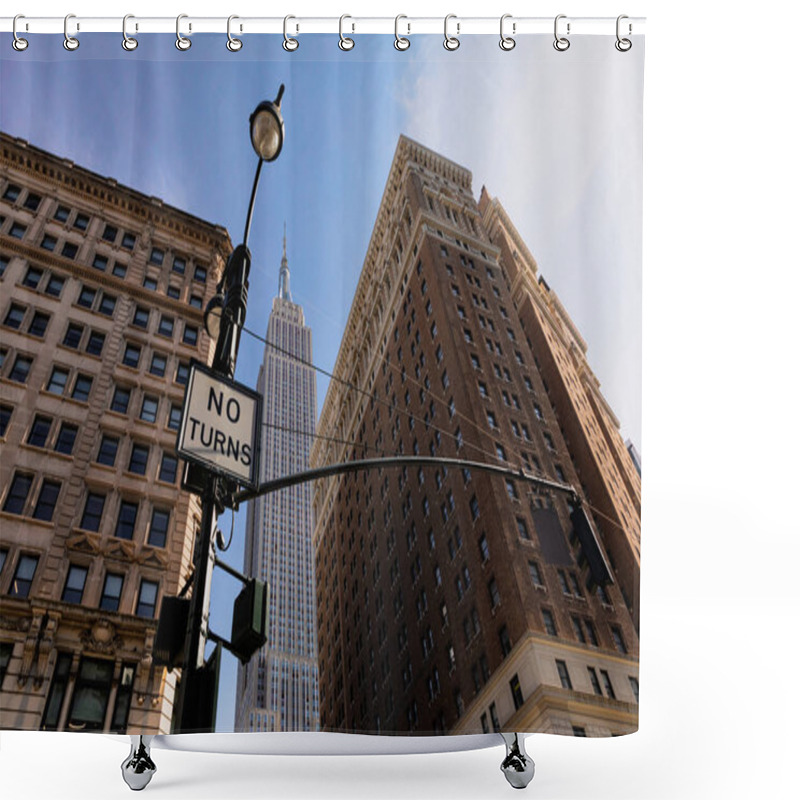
171	632
249	626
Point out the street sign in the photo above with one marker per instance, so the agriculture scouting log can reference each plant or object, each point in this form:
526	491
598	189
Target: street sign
220	426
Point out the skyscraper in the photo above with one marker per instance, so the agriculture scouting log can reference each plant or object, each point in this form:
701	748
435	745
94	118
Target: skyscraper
101	297
278	689
451	600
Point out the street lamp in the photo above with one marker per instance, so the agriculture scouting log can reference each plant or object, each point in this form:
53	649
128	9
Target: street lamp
224	319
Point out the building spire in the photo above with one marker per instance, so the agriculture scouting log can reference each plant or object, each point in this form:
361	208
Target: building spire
283	289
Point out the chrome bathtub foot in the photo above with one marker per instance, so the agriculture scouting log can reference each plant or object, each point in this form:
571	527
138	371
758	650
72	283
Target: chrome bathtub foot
138	768
517	766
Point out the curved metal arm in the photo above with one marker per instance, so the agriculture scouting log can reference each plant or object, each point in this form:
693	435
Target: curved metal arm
399	461
252	203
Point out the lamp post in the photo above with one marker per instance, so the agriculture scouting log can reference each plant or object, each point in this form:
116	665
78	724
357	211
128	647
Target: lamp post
224	319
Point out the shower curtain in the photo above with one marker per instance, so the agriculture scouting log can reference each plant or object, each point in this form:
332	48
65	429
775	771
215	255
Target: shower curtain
433	305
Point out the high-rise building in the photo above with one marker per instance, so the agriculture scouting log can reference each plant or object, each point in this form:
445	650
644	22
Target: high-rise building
278	689
453	600
100	314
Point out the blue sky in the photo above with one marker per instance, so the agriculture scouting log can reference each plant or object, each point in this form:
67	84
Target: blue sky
555	136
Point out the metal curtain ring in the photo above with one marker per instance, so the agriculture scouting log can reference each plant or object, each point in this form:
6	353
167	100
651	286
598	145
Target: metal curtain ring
233	44
128	42
507	42
181	42
400	42
345	43
623	45
561	43
18	43
290	44
70	42
451	42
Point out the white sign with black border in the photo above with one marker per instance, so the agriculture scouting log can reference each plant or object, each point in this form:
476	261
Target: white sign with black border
220	426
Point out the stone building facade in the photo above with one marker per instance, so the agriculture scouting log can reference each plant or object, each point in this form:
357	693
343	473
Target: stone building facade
102	291
451	600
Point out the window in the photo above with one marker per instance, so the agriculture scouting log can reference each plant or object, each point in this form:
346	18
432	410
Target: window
140	317
174	292
14	316
159	524
54	286
150	283
516	692
110	233
17	230
58	380
492	419
90	697
86	297
66	438
563	674
21	369
148	594
138	460
495	720
169	468
130	357
156	256
494	593
76	580
119	270
607	684
40	430
81	222
182	374
112	591
536	575
23	577
190	335
126	519
179	265
196	301
577	730
48	242
69	250
32	277
174	417
11	193
58	688
166	326
82	388
5	418
576	626
200	274
505	640
72	337
122	704
107	304
107	454
158	365
94	345
46	504
594	681
619	642
634	687
549	622
18	493
149	410
120	400
100	262
473	508
591	635
511	490
128	240
93	511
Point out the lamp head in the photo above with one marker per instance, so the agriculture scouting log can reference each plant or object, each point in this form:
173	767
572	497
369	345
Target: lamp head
212	318
266	128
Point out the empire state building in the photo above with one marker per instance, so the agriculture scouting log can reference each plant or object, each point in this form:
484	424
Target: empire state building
278	689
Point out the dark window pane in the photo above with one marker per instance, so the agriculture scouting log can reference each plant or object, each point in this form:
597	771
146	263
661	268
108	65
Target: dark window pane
100	262
81	222
58	380
55	285
190	334
174	417
38	324
112	591
14	316
11	193
58	688
94	346
23	577
32	201
107	454
128	240
7	411
17	230
148	594
157	256
110	233
72	337
76	580
169	468
82	388
149	409
126	521
131	356
93	512
166	326
141	317
138	462
182	374
158	528
119	402
32	277
90	698
179	265
158	365
200	274
107	305
86	297
119	270
39	431
62	214
18	493
69	250
49	242
66	438
21	369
